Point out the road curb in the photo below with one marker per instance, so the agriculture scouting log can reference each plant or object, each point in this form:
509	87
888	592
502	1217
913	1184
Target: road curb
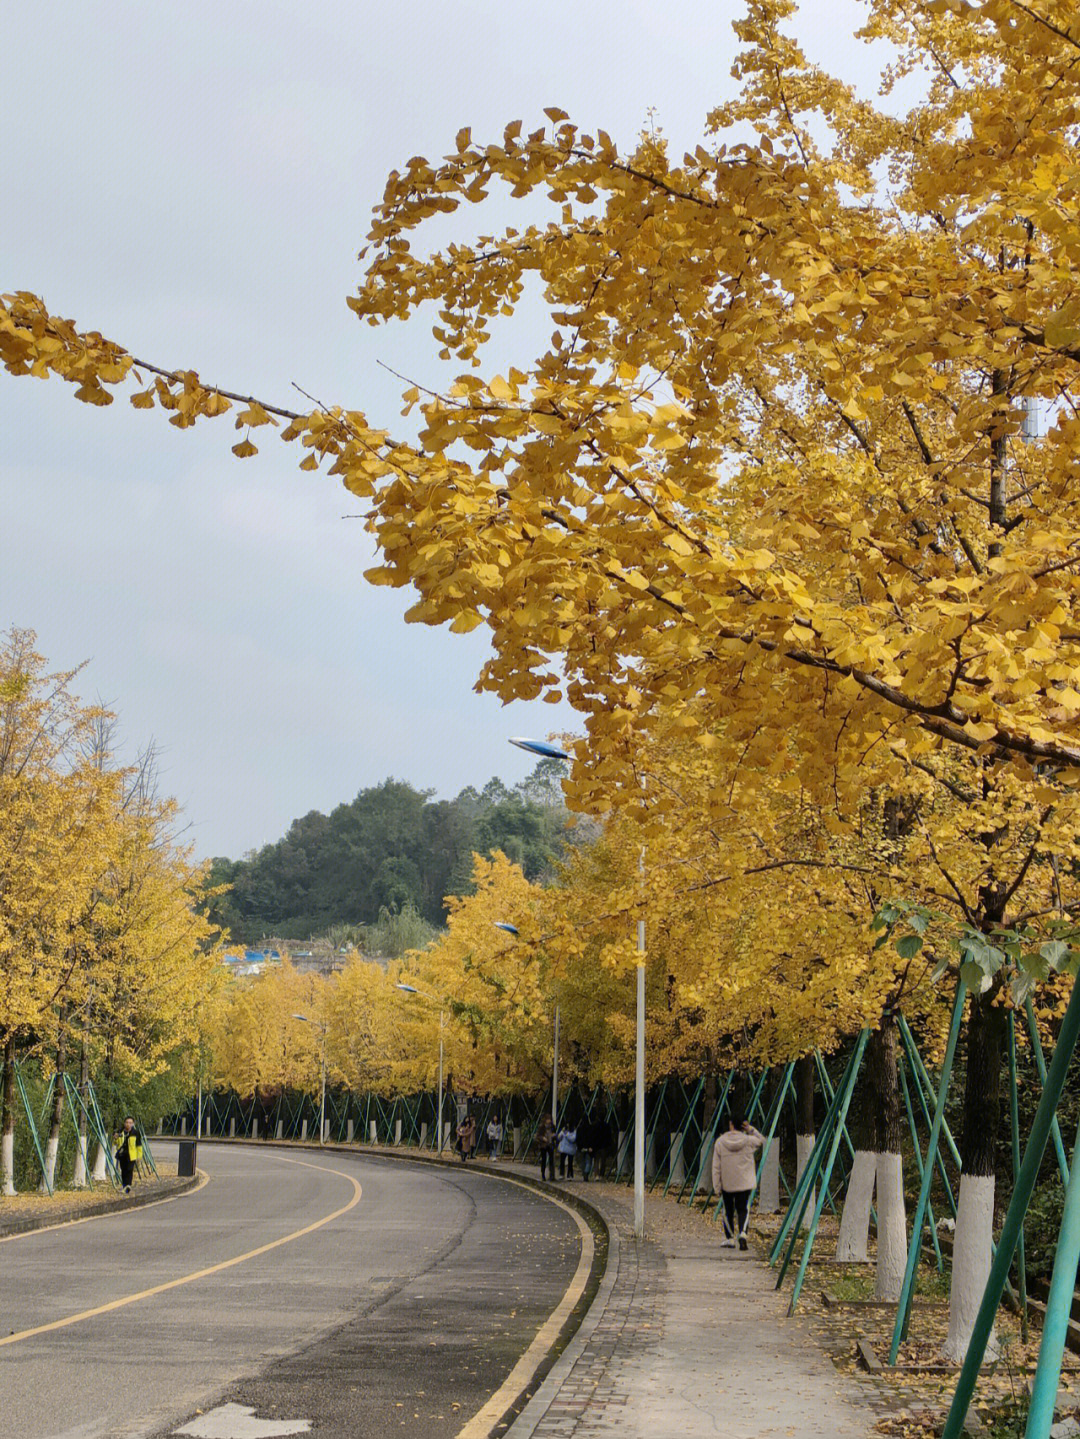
73	1214
550	1383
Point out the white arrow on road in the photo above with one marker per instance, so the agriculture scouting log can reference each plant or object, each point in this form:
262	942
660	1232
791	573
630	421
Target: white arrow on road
238	1421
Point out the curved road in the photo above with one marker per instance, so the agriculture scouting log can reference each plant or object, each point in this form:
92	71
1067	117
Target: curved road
335	1291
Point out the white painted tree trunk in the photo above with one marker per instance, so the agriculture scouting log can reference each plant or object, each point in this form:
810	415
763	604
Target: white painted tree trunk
804	1147
851	1242
100	1174
971	1264
7	1165
891	1228
704	1177
78	1178
676	1166
48	1174
769	1188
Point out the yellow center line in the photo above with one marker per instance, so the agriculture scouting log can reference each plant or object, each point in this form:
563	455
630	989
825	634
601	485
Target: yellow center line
201	1273
479	1426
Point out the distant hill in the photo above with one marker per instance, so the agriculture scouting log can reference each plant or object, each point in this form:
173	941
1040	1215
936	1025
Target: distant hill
391	849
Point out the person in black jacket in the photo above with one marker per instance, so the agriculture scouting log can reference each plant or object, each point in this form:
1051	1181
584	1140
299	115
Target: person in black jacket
128	1153
601	1137
585	1147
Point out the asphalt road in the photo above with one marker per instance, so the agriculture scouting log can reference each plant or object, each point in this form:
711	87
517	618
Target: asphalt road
347	1294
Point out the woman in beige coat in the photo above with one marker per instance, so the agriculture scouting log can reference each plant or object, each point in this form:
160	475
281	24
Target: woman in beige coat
734	1174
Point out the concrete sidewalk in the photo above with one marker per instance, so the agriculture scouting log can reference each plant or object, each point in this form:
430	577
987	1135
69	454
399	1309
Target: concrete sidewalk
685	1338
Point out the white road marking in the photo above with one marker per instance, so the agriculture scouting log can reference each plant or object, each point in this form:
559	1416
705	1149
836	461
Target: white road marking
238	1421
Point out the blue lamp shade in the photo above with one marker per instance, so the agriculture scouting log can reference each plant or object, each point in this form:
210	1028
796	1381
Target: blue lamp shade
510	928
408	988
542	748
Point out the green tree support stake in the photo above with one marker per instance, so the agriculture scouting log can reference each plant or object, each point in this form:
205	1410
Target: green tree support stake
803	1187
801	1198
1058	1308
1014	1116
923	1088
33	1126
770	1130
844	1096
1021	1197
1040	1064
917	1147
710	1139
903	1308
826	1084
688	1110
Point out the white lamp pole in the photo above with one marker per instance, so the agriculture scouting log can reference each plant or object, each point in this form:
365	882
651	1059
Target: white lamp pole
639	1073
550	751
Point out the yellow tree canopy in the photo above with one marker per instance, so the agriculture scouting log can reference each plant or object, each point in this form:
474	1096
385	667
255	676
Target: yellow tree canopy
767	468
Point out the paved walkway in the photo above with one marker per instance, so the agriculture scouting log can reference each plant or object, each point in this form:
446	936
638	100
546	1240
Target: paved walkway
688	1339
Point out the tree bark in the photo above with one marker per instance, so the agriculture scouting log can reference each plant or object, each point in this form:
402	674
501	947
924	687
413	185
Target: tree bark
891	1215
769	1183
975	1212
79	1179
852	1241
52	1143
804	1125
7	1135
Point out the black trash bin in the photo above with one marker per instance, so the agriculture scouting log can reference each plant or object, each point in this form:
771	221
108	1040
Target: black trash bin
185	1166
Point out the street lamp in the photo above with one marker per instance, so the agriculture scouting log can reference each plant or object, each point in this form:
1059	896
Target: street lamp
322	1055
411	989
550	751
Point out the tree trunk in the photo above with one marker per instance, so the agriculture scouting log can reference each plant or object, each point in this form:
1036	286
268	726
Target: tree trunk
769	1185
804	1125
52	1143
891	1215
975	1211
7	1135
852	1241
79	1179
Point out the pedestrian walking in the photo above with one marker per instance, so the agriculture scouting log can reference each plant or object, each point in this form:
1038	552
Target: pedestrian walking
601	1136
585	1147
466	1137
545	1143
128	1153
734	1175
566	1144
494	1137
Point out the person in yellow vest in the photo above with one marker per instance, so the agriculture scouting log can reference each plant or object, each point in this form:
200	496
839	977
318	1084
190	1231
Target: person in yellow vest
128	1153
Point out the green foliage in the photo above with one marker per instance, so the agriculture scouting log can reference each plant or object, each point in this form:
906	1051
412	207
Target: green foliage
1028	952
392	848
397	931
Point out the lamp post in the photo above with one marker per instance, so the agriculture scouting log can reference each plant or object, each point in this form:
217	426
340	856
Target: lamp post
550	751
322	1057
411	989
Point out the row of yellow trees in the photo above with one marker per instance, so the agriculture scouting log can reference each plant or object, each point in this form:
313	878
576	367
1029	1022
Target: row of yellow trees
104	956
761	511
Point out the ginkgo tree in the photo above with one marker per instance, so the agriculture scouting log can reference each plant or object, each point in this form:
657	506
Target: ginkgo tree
104	950
767	474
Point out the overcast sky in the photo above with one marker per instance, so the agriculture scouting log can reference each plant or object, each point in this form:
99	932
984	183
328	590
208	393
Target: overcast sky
195	181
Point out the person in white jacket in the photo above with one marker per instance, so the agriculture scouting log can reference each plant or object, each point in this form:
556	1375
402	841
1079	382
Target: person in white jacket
733	1175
